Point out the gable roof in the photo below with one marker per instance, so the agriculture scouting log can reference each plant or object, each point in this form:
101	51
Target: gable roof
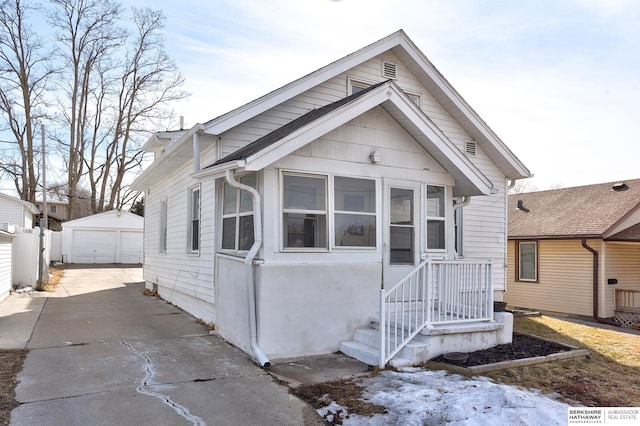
31	208
112	219
418	64
469	180
592	211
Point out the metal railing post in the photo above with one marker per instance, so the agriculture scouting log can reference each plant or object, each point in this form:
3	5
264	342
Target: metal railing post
383	317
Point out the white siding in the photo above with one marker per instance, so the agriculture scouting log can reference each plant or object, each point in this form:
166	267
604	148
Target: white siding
485	218
6	266
182	278
14	213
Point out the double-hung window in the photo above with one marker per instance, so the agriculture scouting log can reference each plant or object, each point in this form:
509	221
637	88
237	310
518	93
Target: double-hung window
237	216
163	226
305	211
527	257
193	226
355	212
435	218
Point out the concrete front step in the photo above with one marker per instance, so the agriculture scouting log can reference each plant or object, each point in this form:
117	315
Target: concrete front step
432	341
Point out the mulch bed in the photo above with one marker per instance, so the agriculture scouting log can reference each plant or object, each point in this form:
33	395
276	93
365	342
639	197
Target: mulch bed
523	346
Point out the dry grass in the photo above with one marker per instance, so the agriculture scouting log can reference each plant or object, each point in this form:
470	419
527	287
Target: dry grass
608	377
55	274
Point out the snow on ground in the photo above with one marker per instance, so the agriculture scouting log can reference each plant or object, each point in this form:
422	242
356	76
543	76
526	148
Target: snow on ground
417	397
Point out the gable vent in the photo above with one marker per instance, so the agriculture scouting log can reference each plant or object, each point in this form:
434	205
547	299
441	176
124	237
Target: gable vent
389	70
470	148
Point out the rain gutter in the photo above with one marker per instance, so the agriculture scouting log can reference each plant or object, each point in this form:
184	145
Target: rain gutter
259	355
595	285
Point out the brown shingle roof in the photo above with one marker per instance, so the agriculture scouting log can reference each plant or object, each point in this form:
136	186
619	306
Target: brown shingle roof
582	211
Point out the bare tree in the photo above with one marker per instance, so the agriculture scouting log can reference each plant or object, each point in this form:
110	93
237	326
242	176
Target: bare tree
88	34
24	73
522	186
147	82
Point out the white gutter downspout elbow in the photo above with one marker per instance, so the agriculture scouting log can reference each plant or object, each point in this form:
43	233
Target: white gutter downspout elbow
462	203
259	355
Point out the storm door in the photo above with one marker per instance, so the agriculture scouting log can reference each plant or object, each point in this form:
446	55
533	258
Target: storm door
401	245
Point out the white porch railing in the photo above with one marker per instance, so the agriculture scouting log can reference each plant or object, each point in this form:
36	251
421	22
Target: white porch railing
435	292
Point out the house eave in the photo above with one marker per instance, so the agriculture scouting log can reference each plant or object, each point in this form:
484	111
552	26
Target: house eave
554	237
469	180
171	157
420	66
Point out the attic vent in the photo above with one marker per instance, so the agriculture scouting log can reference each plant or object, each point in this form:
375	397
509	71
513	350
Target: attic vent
389	70
620	187
470	148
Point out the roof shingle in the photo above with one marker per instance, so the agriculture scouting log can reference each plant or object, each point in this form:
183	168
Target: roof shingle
582	211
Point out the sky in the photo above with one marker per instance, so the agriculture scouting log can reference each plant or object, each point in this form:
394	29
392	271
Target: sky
557	80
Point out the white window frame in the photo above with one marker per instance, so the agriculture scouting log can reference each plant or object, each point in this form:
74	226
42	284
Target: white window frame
431	218
325	212
237	215
194	219
163	220
334	213
363	83
330	212
519	276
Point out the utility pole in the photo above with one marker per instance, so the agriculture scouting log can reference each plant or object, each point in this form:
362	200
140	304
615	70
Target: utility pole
42	261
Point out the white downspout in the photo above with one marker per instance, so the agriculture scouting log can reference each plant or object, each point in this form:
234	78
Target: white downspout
196	152
262	359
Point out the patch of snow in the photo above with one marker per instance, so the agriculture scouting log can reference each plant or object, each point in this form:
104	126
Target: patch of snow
417	397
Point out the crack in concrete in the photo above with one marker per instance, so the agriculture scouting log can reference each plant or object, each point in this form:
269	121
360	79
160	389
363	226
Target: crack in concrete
144	389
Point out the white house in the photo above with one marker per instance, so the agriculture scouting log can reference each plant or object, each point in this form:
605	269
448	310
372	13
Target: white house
17	212
110	237
368	188
6	260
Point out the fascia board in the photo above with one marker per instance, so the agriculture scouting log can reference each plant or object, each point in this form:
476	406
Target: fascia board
464	107
318	128
631	218
385	93
218	171
438	142
238	116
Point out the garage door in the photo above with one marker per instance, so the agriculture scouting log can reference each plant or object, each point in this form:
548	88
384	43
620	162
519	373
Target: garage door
94	246
130	247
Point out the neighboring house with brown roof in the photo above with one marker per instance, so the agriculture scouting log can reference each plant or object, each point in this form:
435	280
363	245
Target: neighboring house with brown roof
571	250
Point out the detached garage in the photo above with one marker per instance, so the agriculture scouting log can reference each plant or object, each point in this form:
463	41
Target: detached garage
109	237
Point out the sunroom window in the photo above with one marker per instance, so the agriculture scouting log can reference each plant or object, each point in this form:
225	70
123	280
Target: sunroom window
355	212
435	218
305	211
237	216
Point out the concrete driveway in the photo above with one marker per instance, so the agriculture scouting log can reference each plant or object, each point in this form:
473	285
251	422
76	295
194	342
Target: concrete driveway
102	353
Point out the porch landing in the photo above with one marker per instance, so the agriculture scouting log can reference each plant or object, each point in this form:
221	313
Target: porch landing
432	341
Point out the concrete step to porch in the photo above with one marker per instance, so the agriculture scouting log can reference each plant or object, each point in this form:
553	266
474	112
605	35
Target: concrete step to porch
431	341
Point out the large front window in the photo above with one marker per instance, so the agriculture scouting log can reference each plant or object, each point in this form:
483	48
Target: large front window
324	212
305	211
237	216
